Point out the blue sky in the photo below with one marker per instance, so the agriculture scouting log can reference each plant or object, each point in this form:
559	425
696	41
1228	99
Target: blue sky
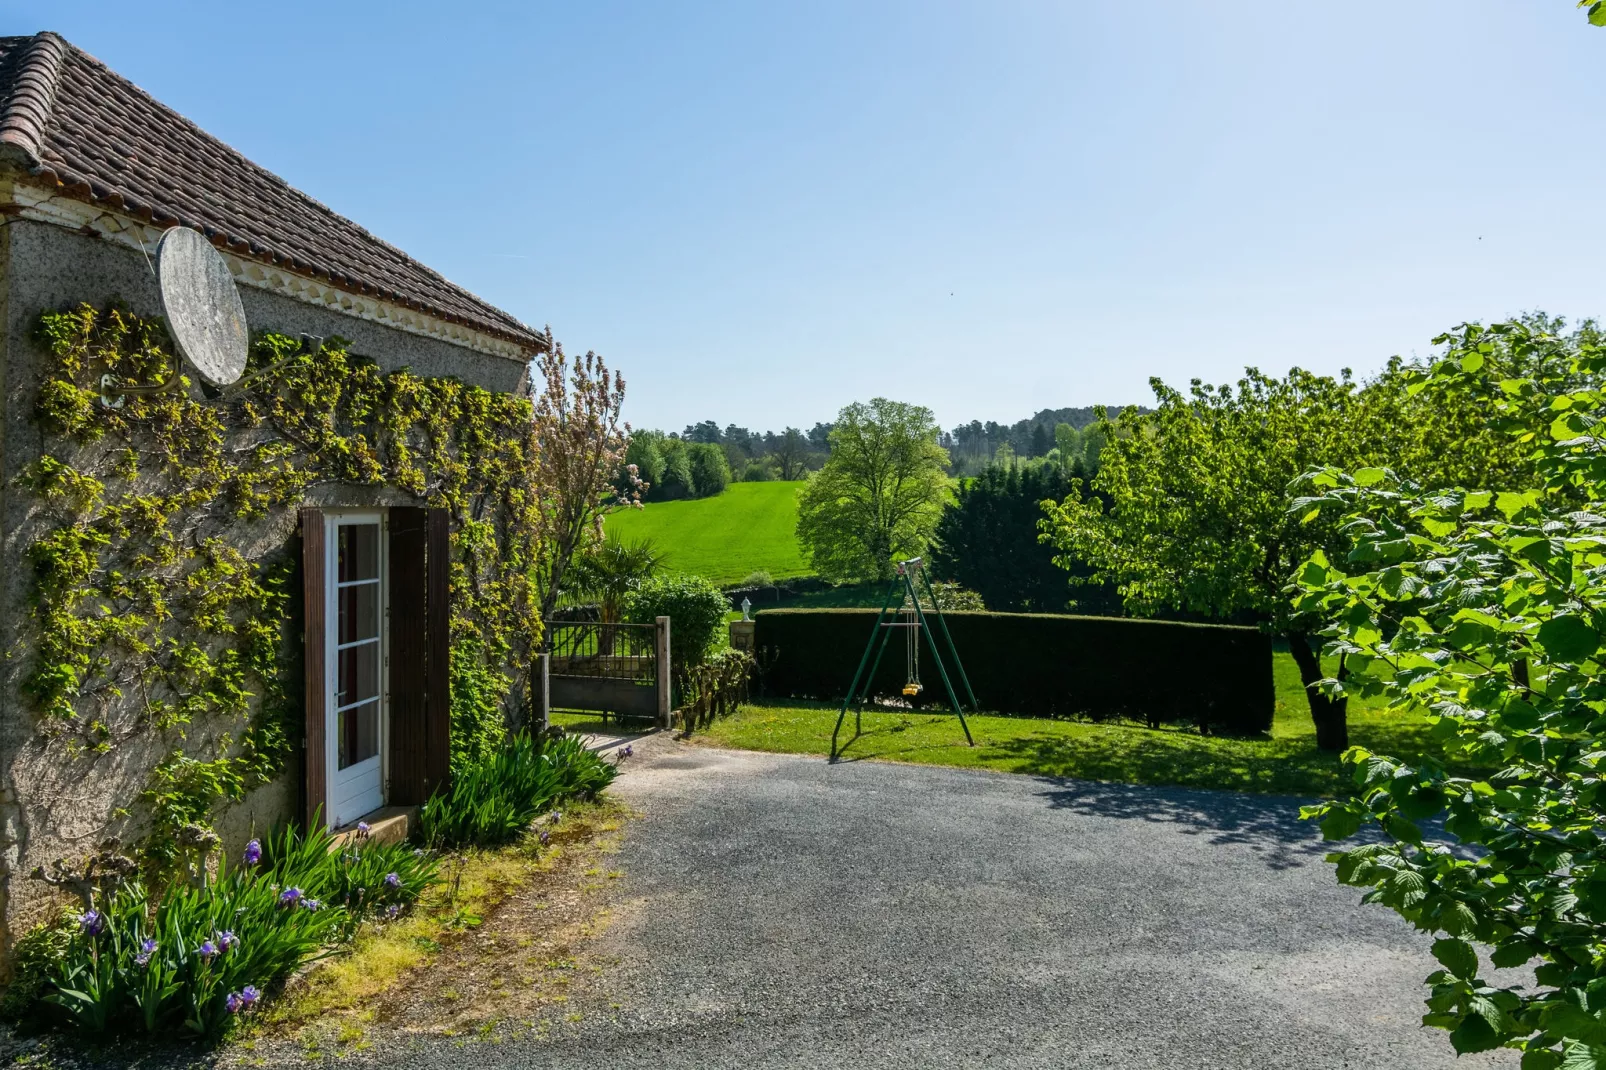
761	212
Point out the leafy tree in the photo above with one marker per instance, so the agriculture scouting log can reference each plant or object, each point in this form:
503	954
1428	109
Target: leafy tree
1068	441
645	454
1597	11
791	454
675	478
879	495
582	448
707	431
1197	517
987	540
1488	608
1041	440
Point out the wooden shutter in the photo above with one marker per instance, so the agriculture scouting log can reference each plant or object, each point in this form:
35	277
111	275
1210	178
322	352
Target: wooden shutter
438	635
409	678
314	616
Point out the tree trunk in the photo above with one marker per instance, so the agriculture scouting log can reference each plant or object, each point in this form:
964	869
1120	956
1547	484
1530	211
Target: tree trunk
1328	714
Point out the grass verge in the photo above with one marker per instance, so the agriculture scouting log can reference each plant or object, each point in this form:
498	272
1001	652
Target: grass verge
1284	763
333	1003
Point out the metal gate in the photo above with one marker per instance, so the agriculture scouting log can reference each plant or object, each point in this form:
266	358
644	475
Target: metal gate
608	668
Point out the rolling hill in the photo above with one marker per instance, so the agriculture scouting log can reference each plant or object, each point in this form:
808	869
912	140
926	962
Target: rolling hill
726	538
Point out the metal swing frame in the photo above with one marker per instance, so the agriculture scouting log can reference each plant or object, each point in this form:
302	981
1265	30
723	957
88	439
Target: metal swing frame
903	586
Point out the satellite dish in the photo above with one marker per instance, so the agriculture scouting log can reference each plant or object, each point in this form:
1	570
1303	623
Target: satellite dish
202	306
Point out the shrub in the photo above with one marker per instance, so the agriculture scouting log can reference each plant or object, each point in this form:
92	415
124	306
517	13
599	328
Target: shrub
951	596
758	579
757	472
696	610
714	688
34	960
710	472
493	800
1035	665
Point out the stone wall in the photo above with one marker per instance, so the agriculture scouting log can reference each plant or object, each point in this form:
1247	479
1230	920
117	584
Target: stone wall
54	803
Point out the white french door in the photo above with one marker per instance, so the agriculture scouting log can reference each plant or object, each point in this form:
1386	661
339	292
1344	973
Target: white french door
356	659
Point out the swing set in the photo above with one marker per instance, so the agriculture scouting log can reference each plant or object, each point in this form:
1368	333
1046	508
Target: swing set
906	588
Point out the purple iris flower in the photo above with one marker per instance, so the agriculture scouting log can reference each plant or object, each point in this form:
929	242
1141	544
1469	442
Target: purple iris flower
311	904
290	897
392	880
243	1000
207	949
253	852
92	922
226	940
146	949
362	828
393	911
546	837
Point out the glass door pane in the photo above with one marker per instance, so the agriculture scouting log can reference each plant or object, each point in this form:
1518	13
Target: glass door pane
357	639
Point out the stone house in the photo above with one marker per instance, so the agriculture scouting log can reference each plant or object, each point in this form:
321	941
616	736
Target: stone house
93	171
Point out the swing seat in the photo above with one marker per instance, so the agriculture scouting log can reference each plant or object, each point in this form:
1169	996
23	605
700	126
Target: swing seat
911	690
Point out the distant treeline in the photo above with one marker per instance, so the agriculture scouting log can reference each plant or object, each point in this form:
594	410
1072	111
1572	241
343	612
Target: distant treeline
704	458
973	446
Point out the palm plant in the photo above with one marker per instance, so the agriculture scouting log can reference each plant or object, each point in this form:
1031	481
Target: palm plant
612	569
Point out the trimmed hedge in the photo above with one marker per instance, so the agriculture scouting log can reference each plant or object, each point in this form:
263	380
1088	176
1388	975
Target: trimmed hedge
1216	676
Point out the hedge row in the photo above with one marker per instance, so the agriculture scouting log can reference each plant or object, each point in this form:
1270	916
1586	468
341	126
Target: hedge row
1216	676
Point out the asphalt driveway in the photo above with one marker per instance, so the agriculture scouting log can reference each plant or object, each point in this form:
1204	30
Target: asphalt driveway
779	911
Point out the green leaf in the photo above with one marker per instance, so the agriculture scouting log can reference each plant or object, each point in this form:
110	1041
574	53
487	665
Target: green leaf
1340	825
1568	638
1366	477
1472	362
1458	957
1511	503
1583	1057
1474	1034
1512	954
1402	829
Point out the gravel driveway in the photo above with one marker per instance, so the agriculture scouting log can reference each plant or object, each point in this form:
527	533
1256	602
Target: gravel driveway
785	912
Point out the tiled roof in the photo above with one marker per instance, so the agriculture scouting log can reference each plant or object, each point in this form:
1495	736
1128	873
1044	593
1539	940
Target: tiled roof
95	137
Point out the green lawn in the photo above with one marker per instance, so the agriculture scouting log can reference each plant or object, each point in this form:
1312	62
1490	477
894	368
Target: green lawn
726	538
1286	763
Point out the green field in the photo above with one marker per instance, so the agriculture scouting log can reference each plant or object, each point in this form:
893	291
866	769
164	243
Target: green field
726	538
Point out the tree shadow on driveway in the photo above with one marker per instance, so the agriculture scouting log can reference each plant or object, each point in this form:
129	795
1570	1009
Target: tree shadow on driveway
1269	825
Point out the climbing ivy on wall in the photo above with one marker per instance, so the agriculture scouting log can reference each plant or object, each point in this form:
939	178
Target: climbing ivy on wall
163	601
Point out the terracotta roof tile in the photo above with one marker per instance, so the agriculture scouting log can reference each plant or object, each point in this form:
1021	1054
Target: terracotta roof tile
99	138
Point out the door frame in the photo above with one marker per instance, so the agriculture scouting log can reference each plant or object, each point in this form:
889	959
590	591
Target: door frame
333	519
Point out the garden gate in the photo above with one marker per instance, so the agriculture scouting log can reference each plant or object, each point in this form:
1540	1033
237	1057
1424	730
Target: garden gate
617	669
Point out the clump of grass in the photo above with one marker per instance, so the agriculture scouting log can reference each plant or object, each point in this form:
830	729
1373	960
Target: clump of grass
493	800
